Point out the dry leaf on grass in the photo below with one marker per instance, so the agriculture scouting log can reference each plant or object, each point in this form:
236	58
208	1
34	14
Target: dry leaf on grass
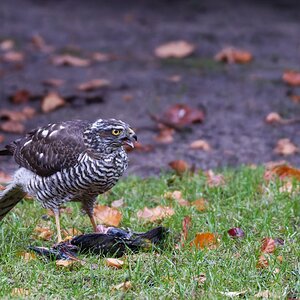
291	78
201	278
43	233
93	84
155	214
7	45
284	171
263	294
205	240
234	55
51	102
126	285
214	180
20	292
118	203
186	224
179	166
70	232
200	204
236	232
175	49
13	57
12	127
176	196
285	147
70	60
27	256
114	263
70	264
200	145
263	261
107	215
268	245
11	115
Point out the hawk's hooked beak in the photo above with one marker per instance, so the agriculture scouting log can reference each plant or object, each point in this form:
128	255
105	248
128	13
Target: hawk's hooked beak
131	138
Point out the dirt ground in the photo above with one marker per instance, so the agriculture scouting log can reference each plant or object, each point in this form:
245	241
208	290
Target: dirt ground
236	97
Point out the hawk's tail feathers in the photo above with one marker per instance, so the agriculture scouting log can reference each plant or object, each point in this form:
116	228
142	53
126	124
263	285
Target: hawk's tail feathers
9	198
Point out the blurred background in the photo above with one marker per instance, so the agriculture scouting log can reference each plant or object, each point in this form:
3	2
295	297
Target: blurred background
196	79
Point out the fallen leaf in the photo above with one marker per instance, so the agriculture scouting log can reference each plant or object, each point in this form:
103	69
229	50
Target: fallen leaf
51	102
200	145
40	44
177	196
12	127
5	178
7	45
11	115
13	57
179	166
263	294
205	240
284	171
93	84
71	232
233	55
201	278
268	245
18	292
236	232
279	258
186	224
288	187
114	263
68	263
285	147
43	233
291	78
263	262
21	96
156	213
214	180
53	82
118	203
70	60
175	49
165	136
27	256
233	294
200	204
102	57
107	215
273	117
180	115
126	285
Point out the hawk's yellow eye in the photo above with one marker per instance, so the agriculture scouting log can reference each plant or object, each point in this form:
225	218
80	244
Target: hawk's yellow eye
116	131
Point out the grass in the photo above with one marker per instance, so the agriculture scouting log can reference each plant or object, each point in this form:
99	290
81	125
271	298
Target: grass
245	201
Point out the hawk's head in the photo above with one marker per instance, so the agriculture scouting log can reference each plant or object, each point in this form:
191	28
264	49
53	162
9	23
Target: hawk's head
109	135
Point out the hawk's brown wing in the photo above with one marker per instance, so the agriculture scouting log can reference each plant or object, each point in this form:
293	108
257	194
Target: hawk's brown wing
51	148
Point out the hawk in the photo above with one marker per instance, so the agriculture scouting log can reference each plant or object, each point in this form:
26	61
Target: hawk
67	161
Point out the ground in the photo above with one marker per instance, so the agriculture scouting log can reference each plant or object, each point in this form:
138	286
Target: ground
236	97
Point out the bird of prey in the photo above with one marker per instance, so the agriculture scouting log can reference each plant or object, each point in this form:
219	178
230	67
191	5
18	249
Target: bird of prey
67	161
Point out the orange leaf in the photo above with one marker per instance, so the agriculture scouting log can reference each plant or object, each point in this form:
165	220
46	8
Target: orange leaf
165	136
66	263
286	171
93	84
114	263
200	145
156	213
43	233
233	55
291	77
200	204
177	196
126	285
18	292
285	147
205	240
27	256
263	262
179	166
268	245
176	49
107	215
52	101
214	180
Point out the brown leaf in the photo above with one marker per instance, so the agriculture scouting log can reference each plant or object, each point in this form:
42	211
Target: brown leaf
43	233
24	114
263	262
5	178
53	82
268	245
118	203
7	45
186	224
21	96
126	285
175	49
40	44
264	294
93	84
233	55
200	145
201	278
12	126
70	264
114	263
291	78
51	102
155	214
205	240
177	196
273	117
165	136
27	256
284	171
71	232
214	180
180	115
200	204
70	60
13	57
107	215
19	292
285	147
179	166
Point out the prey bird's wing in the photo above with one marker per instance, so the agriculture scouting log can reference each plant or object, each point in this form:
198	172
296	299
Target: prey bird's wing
51	148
